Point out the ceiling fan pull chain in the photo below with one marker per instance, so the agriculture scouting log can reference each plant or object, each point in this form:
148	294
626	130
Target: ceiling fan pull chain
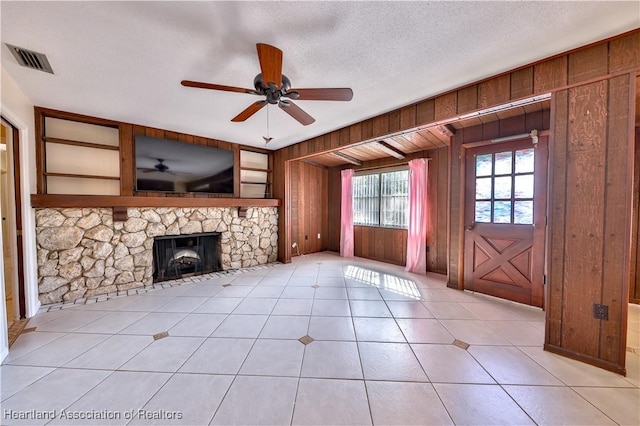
267	138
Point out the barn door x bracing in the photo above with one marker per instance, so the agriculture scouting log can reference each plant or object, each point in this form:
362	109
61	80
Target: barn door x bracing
505	204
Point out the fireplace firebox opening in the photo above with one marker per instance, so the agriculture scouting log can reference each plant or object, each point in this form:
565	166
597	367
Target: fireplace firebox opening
180	256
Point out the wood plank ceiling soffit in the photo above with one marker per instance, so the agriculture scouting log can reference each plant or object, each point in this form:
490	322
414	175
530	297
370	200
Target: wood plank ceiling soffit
435	136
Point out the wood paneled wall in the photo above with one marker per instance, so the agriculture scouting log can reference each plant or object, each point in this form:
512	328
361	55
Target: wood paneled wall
438	213
590	220
309	207
597	79
390	245
282	190
634	283
383	244
335	203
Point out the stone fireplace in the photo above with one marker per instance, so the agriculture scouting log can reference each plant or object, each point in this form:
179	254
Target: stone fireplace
83	252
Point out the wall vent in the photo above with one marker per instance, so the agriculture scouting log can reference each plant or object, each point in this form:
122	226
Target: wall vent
30	59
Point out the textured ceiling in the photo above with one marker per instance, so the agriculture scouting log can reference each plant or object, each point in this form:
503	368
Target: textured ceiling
125	60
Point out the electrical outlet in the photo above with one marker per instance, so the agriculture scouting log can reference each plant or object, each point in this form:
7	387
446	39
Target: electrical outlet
600	311
306	237
318	236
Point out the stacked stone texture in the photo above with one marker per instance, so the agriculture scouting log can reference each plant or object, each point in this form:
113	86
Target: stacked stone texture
83	252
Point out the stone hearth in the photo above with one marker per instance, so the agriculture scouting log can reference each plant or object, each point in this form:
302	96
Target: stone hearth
83	252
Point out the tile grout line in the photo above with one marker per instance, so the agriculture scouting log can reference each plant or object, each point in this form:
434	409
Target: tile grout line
304	352
355	336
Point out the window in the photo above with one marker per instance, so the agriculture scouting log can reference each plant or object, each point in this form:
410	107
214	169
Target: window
504	187
381	199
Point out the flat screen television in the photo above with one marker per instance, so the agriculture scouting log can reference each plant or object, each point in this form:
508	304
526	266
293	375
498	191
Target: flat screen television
172	166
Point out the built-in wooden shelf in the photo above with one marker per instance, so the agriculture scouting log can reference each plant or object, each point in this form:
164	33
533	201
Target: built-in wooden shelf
248	182
254	169
74	201
75	175
83	144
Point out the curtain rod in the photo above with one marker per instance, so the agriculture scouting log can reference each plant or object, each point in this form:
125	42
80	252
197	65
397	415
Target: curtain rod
387	166
533	135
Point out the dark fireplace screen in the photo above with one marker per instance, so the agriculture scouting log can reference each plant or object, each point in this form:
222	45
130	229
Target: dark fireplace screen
181	256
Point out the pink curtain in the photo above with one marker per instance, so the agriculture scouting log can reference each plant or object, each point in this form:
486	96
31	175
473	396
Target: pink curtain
417	232
346	215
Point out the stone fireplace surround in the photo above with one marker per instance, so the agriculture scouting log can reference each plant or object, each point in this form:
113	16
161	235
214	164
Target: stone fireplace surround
83	252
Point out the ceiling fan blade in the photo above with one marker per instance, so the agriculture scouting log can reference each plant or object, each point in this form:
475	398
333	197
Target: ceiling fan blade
343	94
270	63
249	111
296	112
199	85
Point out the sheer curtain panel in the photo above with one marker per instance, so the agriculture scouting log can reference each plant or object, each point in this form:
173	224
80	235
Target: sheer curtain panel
417	230
346	214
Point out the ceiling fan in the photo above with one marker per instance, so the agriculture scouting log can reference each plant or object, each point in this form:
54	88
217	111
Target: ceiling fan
276	88
160	167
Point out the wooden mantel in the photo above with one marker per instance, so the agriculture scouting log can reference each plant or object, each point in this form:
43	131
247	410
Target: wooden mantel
75	201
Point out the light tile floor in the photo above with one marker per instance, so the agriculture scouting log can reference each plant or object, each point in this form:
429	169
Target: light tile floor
382	353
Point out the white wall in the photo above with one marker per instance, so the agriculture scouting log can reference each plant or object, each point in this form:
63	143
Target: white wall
17	108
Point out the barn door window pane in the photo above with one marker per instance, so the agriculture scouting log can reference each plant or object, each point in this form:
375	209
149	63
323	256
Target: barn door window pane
501	212
524	160
523	212
524	186
502	187
483	211
502	163
484	165
483	188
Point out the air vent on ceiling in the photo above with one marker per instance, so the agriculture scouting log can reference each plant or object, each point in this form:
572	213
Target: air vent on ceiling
30	59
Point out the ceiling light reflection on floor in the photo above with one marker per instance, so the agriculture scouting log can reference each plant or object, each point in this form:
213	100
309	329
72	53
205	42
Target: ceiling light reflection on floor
384	281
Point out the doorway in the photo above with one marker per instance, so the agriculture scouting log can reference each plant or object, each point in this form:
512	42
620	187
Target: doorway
11	223
505	215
